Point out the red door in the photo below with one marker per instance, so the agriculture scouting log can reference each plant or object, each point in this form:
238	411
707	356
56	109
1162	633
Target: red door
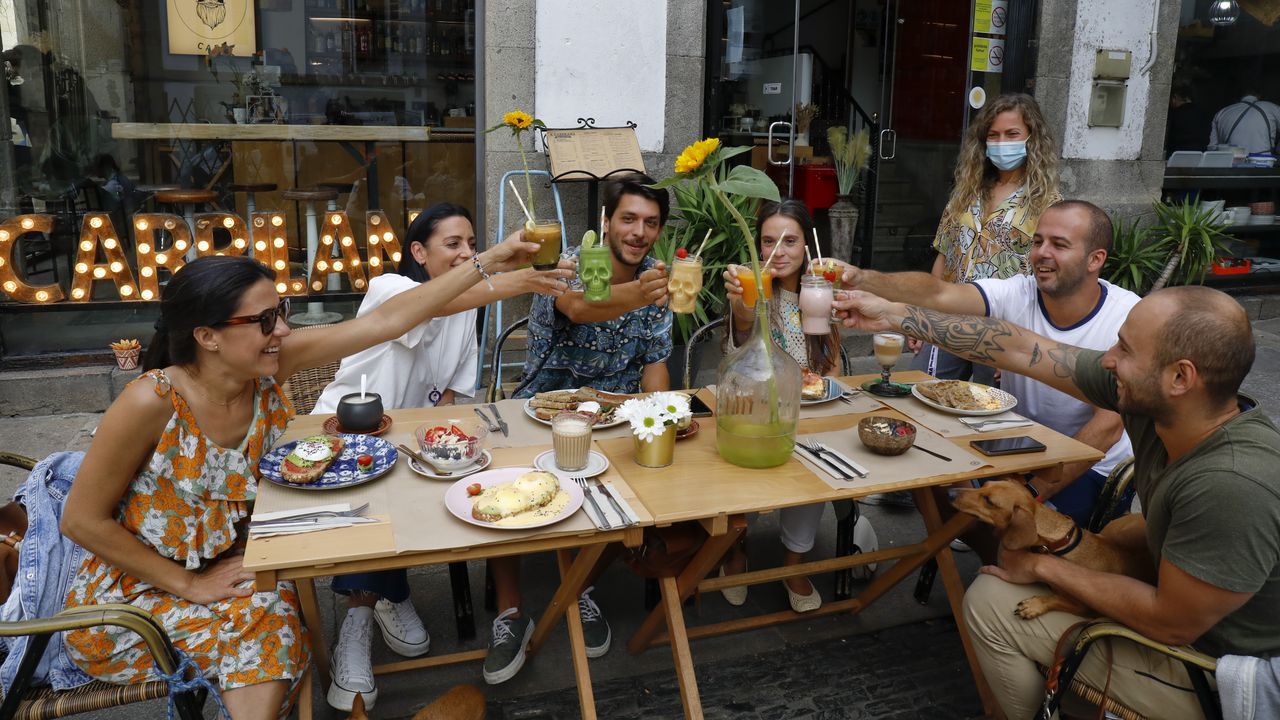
930	68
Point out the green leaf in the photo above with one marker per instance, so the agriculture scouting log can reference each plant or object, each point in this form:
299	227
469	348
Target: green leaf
746	181
724	153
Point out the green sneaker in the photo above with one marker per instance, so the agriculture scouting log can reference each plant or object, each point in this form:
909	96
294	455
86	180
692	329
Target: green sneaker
506	647
595	629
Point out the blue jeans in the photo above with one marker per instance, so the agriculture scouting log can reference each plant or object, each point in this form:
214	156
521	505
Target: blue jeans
1079	499
391	585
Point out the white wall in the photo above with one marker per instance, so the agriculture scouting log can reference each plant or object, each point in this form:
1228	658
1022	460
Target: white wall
1109	25
606	60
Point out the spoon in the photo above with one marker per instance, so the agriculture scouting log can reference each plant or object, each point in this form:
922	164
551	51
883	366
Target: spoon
416	456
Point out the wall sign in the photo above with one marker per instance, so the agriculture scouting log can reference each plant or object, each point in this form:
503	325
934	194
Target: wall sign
988	55
164	242
197	25
991	16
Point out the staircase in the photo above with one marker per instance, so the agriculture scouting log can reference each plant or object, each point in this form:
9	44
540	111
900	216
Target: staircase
903	235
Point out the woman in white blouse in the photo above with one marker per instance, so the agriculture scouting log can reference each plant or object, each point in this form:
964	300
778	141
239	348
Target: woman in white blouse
427	366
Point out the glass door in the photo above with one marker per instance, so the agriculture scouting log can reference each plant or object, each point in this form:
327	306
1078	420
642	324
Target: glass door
755	79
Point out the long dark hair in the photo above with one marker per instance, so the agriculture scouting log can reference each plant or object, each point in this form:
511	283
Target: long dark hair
203	293
420	231
822	351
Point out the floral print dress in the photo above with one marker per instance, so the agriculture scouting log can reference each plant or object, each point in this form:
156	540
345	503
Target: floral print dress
189	503
979	245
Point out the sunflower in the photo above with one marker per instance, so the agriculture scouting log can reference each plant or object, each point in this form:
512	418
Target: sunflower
696	154
517	119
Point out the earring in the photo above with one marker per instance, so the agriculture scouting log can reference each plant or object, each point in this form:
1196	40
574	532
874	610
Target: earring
215	347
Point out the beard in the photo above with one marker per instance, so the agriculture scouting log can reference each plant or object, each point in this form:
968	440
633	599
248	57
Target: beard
618	249
1063	282
1143	398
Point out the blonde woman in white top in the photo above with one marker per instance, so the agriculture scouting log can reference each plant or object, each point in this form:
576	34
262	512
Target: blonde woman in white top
429	365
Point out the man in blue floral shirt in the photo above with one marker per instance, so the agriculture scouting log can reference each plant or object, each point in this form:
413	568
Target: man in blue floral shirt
620	345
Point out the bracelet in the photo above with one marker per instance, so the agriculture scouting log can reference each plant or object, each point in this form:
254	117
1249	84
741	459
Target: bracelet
475	260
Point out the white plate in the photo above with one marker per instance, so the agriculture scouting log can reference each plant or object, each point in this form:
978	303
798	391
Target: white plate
425	471
834	391
1007	401
458	502
596	464
616	421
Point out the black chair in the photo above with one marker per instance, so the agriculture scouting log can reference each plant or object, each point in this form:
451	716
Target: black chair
495	391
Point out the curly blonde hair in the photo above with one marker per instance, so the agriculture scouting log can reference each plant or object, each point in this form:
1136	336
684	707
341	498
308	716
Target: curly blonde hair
975	174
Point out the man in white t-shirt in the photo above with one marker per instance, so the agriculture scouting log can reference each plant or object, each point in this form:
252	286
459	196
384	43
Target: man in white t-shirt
1064	300
1252	123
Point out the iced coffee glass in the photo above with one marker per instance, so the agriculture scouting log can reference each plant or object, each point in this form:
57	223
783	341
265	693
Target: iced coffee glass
547	234
888	348
571	440
685	284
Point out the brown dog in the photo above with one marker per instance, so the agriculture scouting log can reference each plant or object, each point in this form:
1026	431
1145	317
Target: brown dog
1022	523
461	702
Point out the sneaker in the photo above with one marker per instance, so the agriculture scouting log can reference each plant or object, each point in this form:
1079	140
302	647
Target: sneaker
959	545
402	629
897	498
352	661
595	629
506	647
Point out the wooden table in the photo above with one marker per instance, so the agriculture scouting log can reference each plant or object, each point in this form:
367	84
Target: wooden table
363	548
719	495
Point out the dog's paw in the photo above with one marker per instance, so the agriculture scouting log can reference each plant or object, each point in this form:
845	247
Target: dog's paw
1034	607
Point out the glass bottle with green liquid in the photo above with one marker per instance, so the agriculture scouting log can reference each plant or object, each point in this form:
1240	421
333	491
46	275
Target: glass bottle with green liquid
595	269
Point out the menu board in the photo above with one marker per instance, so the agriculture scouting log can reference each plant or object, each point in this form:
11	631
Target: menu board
592	153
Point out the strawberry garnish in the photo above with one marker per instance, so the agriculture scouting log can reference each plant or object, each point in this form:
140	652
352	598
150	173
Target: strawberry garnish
474	489
682	253
829	276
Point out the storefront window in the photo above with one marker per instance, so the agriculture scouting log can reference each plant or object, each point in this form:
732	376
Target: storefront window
164	109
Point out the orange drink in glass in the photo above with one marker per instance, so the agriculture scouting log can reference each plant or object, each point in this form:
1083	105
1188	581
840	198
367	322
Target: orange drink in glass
748	281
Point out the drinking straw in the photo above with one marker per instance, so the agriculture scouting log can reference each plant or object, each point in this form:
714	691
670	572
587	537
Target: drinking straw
363	377
704	244
808	257
527	216
817	245
775	250
602	225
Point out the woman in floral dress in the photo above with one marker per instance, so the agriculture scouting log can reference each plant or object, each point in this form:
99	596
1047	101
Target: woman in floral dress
166	488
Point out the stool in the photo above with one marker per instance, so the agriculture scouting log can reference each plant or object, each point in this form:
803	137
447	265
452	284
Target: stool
249	190
341	188
188	199
309	197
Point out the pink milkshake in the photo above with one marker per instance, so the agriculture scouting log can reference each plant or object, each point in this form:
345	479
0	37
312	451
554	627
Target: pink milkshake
815	304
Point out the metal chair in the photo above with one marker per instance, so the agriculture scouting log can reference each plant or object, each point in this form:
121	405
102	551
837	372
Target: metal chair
24	702
1108	507
1199	668
495	391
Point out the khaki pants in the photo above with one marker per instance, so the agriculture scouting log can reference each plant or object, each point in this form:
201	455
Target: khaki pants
1009	647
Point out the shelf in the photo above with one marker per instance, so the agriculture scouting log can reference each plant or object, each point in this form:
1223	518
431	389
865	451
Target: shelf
1271	229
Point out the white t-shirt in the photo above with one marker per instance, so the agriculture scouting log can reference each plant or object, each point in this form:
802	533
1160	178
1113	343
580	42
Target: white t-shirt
440	353
1017	300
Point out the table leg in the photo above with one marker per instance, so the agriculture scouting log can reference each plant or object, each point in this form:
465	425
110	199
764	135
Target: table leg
571	586
702	563
928	507
578	647
673	609
305	709
311	618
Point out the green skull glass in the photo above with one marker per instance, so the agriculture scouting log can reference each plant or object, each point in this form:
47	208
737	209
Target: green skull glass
595	269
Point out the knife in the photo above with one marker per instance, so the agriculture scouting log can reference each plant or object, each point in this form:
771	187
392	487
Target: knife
605	506
603	522
502	424
493	427
831	468
621	503
613	503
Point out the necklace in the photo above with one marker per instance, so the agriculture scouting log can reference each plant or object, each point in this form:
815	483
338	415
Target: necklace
199	389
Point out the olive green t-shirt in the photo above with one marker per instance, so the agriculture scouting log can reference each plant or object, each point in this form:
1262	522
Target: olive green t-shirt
1214	513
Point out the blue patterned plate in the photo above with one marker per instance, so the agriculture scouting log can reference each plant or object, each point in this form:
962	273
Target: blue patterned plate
343	472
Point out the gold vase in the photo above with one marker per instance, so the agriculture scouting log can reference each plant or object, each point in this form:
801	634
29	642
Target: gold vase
659	452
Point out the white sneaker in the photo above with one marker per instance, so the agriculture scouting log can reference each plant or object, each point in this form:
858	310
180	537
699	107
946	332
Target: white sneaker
352	661
402	629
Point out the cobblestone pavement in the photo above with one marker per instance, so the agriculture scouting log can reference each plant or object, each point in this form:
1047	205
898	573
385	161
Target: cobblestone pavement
909	671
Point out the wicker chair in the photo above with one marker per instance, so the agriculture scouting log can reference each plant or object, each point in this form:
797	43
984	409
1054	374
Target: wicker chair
24	702
303	388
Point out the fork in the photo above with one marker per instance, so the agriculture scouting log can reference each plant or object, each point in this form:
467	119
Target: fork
493	426
353	512
586	491
979	424
818	449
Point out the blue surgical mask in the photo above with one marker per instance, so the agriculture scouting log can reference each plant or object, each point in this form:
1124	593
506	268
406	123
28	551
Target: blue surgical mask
1007	155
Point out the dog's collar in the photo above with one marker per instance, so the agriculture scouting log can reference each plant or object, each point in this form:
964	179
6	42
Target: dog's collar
1063	545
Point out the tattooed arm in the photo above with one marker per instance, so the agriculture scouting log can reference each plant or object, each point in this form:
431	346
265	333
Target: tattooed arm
980	339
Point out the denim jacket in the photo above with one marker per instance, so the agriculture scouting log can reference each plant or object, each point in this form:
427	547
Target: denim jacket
47	564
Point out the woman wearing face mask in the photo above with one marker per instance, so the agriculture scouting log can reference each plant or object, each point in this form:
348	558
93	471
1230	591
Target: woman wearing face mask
426	366
1006	175
784	226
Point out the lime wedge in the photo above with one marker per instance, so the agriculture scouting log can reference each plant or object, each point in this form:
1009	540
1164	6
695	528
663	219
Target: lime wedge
588	239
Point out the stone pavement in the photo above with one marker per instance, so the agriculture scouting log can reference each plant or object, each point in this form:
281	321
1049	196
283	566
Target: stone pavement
898	659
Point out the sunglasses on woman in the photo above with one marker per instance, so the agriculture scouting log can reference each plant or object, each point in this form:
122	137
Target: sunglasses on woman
266	320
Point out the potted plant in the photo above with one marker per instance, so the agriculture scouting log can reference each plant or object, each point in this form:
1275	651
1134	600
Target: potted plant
127	353
1192	238
851	154
805	113
654	420
1136	258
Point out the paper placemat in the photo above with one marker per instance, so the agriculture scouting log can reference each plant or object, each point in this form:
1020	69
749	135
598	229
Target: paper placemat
421	522
890	469
945	424
524	431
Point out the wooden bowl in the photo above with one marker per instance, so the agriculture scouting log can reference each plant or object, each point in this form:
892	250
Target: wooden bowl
885	435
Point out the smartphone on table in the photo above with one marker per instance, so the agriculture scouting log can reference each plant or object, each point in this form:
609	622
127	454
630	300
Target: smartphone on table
1008	446
698	407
